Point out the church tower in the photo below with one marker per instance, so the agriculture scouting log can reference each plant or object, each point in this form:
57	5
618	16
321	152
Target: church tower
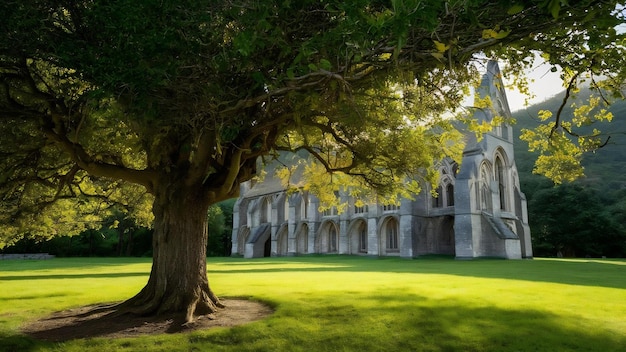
491	219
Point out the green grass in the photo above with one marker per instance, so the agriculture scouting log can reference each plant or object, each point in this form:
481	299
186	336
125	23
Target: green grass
333	303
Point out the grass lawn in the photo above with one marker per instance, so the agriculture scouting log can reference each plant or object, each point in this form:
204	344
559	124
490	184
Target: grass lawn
341	303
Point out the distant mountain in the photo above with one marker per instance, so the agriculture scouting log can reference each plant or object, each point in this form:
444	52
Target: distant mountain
605	170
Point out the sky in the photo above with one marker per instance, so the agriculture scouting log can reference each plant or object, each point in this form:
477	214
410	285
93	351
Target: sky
543	84
546	84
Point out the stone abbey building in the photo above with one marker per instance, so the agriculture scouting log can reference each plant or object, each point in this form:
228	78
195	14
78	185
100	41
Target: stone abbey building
480	210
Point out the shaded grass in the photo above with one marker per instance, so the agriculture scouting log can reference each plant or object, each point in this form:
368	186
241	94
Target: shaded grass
341	303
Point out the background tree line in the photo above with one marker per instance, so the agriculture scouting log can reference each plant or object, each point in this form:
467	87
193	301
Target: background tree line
120	236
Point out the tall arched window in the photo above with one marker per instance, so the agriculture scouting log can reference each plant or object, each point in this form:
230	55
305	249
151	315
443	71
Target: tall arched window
266	210
450	195
286	209
437	200
501	179
391	235
485	192
304	206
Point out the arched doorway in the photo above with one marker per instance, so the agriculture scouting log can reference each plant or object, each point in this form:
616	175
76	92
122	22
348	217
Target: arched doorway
302	239
358	237
389	237
282	241
327	240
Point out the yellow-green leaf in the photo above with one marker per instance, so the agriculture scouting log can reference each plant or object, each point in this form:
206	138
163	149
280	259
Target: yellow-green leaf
490	33
441	47
438	56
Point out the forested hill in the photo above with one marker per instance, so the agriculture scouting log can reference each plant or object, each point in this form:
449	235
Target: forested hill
604	169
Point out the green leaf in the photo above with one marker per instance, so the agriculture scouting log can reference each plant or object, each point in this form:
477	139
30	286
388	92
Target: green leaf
555	6
325	65
258	77
515	9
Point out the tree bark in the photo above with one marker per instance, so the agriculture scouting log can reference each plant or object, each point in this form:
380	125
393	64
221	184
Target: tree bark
178	283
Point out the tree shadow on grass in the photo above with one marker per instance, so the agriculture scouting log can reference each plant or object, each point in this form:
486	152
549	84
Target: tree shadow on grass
408	322
12	342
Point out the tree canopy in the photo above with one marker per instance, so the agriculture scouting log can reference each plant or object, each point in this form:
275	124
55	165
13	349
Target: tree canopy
126	89
102	101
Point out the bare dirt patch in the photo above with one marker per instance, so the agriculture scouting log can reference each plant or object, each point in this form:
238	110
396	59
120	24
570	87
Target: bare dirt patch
96	321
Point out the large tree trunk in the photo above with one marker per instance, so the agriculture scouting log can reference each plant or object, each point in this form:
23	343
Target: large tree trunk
178	281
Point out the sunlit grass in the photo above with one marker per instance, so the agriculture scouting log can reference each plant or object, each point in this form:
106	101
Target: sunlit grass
333	303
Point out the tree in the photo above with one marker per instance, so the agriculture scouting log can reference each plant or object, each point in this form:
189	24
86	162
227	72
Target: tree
576	225
180	98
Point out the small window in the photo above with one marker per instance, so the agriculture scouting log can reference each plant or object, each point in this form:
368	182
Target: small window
330	212
360	210
390	207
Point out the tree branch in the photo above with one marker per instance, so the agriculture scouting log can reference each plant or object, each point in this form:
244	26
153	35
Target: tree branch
78	154
570	86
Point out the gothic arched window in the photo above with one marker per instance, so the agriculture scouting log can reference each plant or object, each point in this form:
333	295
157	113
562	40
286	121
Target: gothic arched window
450	195
501	180
286	209
485	192
437	200
304	206
266	210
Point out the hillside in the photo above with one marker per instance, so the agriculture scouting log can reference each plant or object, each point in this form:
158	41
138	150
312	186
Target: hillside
604	169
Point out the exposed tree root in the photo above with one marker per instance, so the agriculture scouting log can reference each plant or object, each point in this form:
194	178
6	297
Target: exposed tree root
102	321
186	308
